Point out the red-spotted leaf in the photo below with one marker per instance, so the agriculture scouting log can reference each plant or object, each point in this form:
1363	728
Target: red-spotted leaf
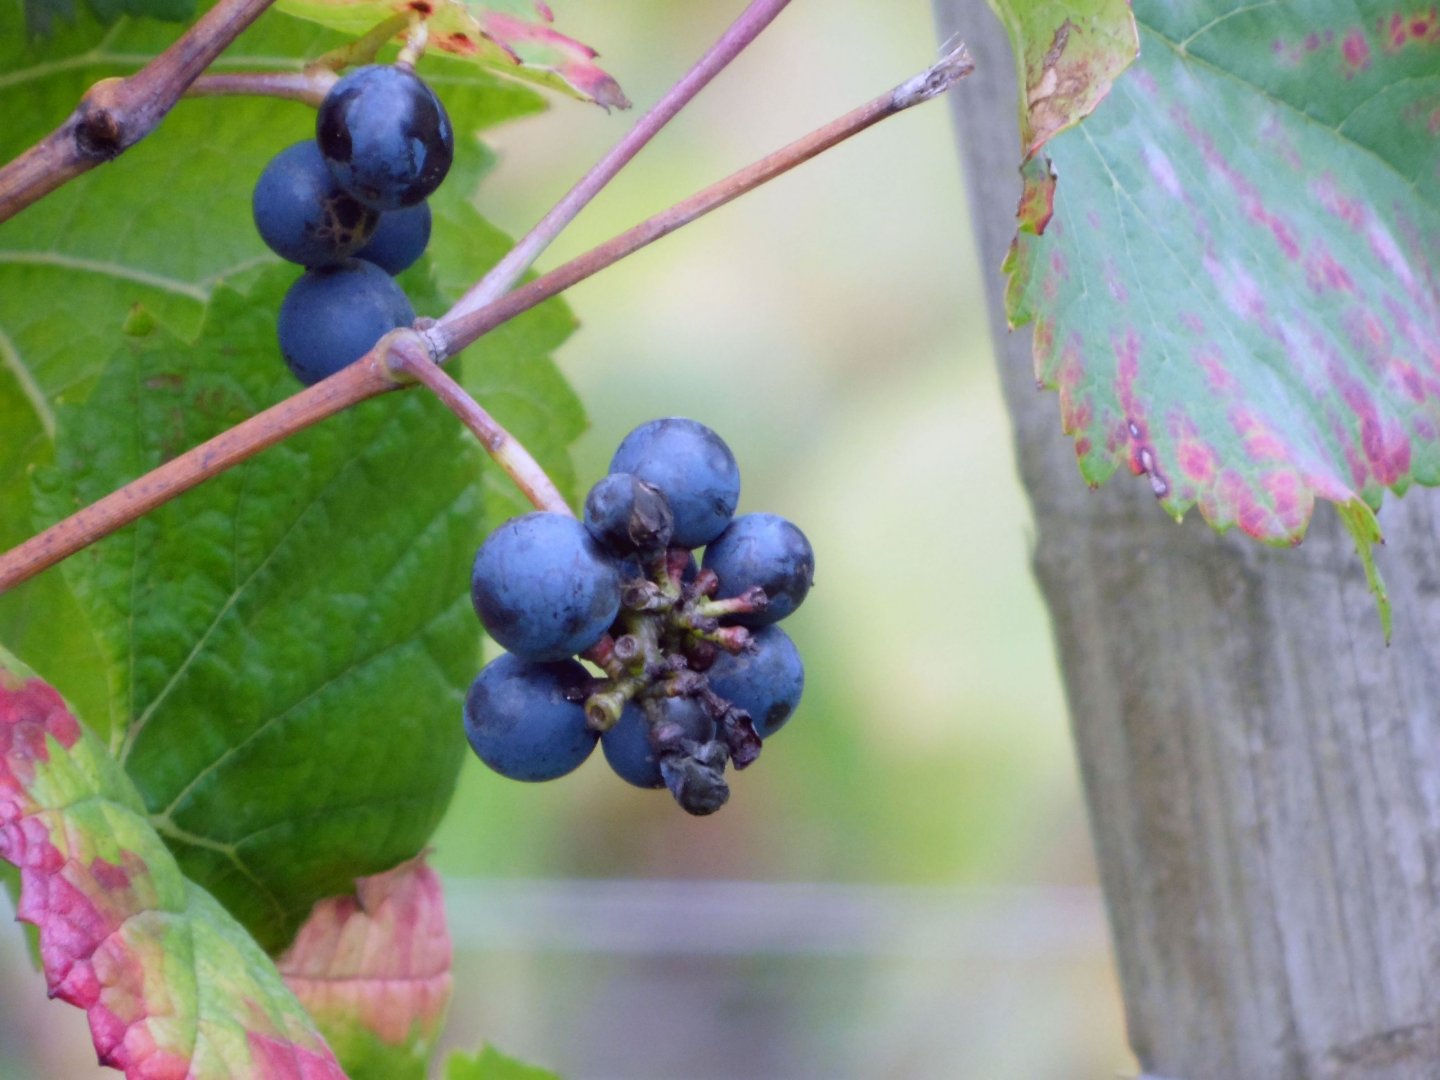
1068	53
514	37
1237	293
172	985
373	969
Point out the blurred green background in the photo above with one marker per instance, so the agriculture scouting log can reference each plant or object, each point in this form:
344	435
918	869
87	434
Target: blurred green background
903	885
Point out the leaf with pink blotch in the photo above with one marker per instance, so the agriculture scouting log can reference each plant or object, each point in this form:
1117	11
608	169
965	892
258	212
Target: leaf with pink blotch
172	986
373	969
513	37
1236	295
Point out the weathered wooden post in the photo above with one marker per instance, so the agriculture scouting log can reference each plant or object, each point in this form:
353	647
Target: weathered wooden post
1262	771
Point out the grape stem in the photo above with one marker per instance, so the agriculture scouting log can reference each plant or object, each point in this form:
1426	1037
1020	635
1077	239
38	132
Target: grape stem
115	114
371	375
408	358
504	274
309	86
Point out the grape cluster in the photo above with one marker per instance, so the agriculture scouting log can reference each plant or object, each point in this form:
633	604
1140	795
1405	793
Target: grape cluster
696	673
349	206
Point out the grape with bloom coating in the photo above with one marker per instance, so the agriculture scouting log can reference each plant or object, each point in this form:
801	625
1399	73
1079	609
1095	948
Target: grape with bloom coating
385	136
767	551
333	315
399	239
525	719
766	680
543	588
303	215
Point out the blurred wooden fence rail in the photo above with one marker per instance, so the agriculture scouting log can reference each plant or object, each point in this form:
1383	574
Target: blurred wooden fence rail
1262	773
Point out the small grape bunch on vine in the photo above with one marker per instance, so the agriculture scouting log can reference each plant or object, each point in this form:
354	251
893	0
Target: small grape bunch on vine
695	673
349	206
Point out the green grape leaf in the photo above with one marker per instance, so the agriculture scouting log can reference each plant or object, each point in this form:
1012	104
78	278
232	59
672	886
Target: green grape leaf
511	36
491	1064
160	227
373	970
171	984
41	16
1068	53
1236	295
279	655
290	642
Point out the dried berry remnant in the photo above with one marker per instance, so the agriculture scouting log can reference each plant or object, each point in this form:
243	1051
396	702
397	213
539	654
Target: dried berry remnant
635	746
627	516
694	469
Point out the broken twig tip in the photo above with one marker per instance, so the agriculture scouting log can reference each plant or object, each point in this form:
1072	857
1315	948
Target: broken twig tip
953	66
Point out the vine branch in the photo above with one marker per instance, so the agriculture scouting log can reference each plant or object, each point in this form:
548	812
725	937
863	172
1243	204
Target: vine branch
372	374
115	114
459	328
503	275
408	357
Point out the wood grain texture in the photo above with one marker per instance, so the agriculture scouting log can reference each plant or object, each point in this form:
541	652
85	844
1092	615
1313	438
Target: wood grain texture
1262	772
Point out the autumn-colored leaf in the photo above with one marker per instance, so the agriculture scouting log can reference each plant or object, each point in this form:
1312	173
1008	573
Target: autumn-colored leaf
492	35
1068	53
373	969
173	987
1237	295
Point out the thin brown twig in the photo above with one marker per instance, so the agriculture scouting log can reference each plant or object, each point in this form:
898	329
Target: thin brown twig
503	275
371	375
458	329
409	358
364	379
115	114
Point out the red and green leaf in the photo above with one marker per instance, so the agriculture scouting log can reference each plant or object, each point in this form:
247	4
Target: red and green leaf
1236	295
373	969
173	987
513	37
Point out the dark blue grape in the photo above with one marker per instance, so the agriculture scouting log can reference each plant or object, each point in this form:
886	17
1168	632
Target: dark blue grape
385	136
763	550
766	681
333	315
633	748
694	469
543	588
628	516
526	720
399	239
303	214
